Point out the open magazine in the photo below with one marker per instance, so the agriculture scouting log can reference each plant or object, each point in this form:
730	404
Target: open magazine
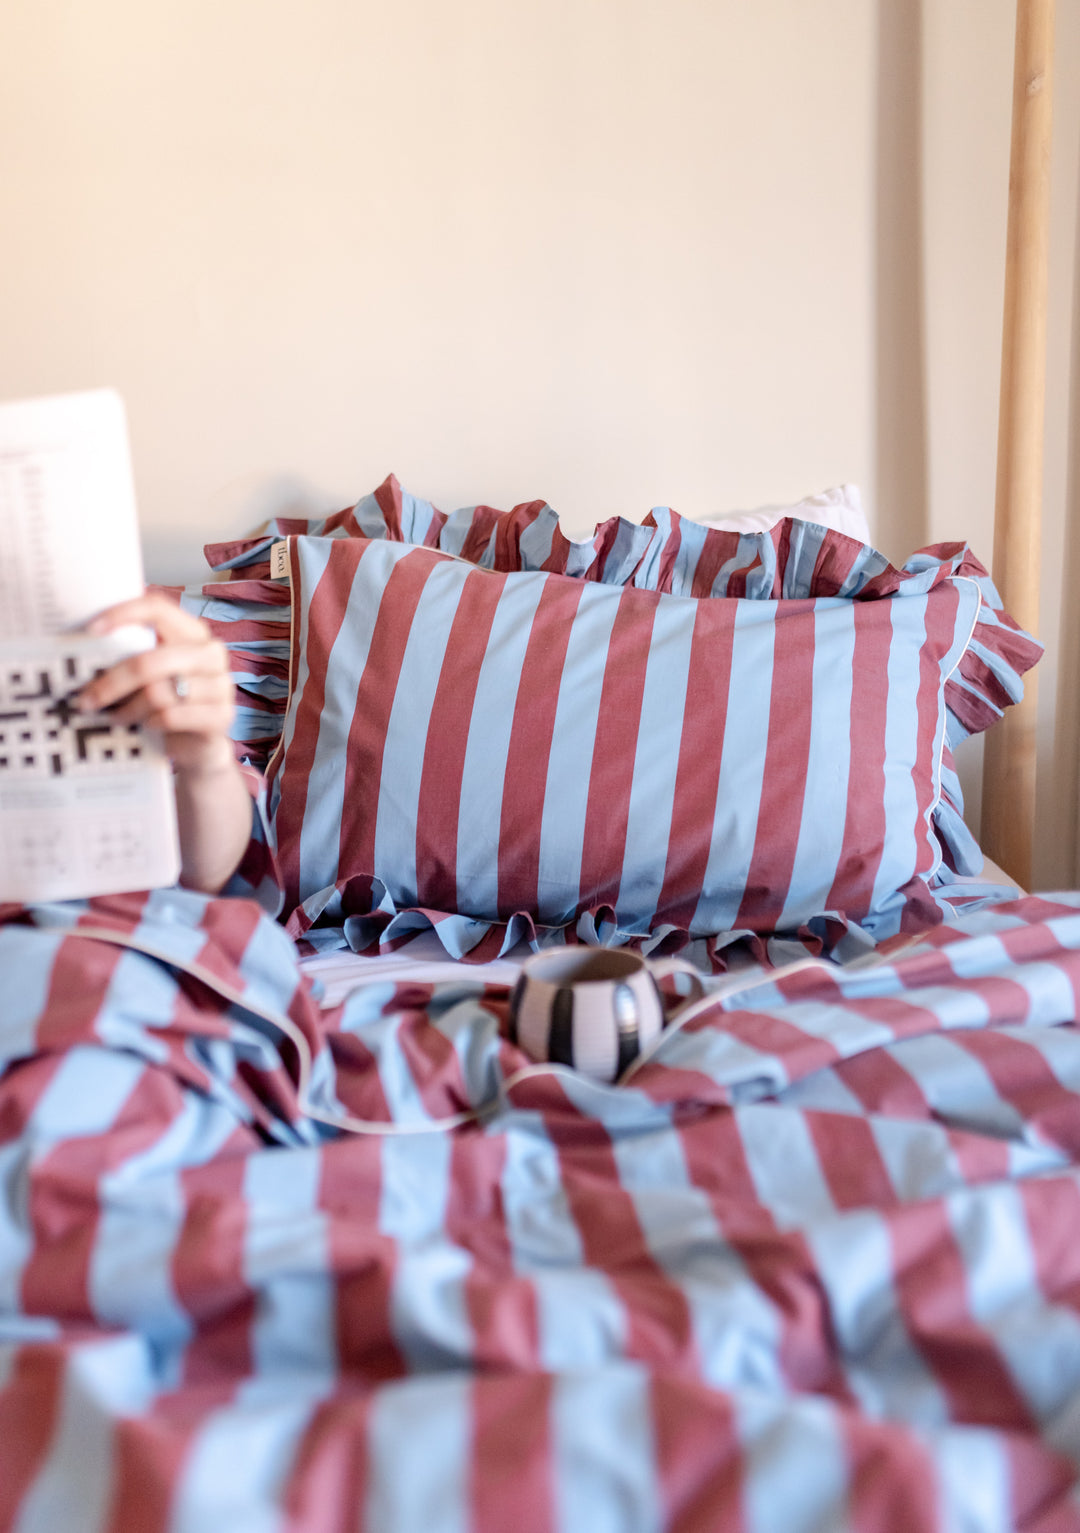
86	803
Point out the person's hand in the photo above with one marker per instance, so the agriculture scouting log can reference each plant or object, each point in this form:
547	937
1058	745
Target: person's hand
181	687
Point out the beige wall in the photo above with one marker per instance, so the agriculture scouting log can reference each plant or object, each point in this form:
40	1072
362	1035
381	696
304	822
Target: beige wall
610	252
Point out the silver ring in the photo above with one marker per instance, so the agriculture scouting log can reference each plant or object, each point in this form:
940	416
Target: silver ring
181	686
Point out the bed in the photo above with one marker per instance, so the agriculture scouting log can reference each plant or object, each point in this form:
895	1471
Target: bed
293	1234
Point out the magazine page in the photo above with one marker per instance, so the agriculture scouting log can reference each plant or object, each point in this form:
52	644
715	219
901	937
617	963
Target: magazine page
86	803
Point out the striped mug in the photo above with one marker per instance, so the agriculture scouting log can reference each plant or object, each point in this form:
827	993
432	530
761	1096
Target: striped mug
595	1009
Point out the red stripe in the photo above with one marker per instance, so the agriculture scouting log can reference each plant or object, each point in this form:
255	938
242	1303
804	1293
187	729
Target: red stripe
363	764
777	1263
485	519
699	1459
611	776
1022	1077
508	533
864	824
670	553
882	1085
529	748
931	1283
659	1330
697	778
736	583
388	498
269	593
208	1270
64	1202
892	1478
328	1481
783	781
429	1054
850	1160
501	1302
361	1259
447	739
22	1086
511	1480
716	549
29	1412
837	557
604	541
1042	1487
149	1456
800	1053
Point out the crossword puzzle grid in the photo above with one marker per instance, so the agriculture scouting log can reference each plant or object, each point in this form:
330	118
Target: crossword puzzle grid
85	801
41	734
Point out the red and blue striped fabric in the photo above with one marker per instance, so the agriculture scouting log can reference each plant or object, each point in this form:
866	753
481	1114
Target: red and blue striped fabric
510	747
666	553
813	1266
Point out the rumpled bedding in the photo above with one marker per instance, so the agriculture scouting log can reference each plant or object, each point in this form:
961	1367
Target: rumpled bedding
814	1266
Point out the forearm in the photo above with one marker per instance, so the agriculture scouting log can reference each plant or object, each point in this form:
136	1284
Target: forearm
213	811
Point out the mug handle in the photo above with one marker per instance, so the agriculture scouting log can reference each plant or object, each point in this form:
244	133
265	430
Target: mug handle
661	968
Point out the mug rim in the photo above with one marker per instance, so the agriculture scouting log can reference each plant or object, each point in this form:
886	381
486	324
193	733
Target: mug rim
572	966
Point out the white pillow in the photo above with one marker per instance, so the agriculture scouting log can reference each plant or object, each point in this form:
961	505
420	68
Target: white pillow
839	508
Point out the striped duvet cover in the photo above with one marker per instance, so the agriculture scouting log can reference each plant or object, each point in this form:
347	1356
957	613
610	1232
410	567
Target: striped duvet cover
814	1267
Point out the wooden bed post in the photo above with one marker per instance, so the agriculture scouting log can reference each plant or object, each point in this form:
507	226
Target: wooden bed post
1008	806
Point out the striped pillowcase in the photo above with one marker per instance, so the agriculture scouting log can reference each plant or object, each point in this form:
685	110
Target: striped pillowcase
504	744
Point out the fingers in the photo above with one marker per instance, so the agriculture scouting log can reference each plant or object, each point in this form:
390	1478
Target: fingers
206	708
168	620
142	688
155	670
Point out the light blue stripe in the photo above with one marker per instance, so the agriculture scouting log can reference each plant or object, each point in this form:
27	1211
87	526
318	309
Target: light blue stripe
456	529
919	1157
16	1234
429	1312
566	792
1039	1342
420	1442
368	516
536	540
580	1319
27	956
691	542
821	829
974	1480
796	1466
897	866
854	1259
959	1087
416	517
782	1161
320	837
407	730
605	1471
736	1328
489	742
656	763
744	728
143	1211
235	1473
287	1260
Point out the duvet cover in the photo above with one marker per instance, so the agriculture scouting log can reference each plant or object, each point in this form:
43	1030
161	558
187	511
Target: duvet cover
816	1265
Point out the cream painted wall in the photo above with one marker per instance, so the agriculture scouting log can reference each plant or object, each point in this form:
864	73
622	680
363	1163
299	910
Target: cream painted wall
609	252
613	253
